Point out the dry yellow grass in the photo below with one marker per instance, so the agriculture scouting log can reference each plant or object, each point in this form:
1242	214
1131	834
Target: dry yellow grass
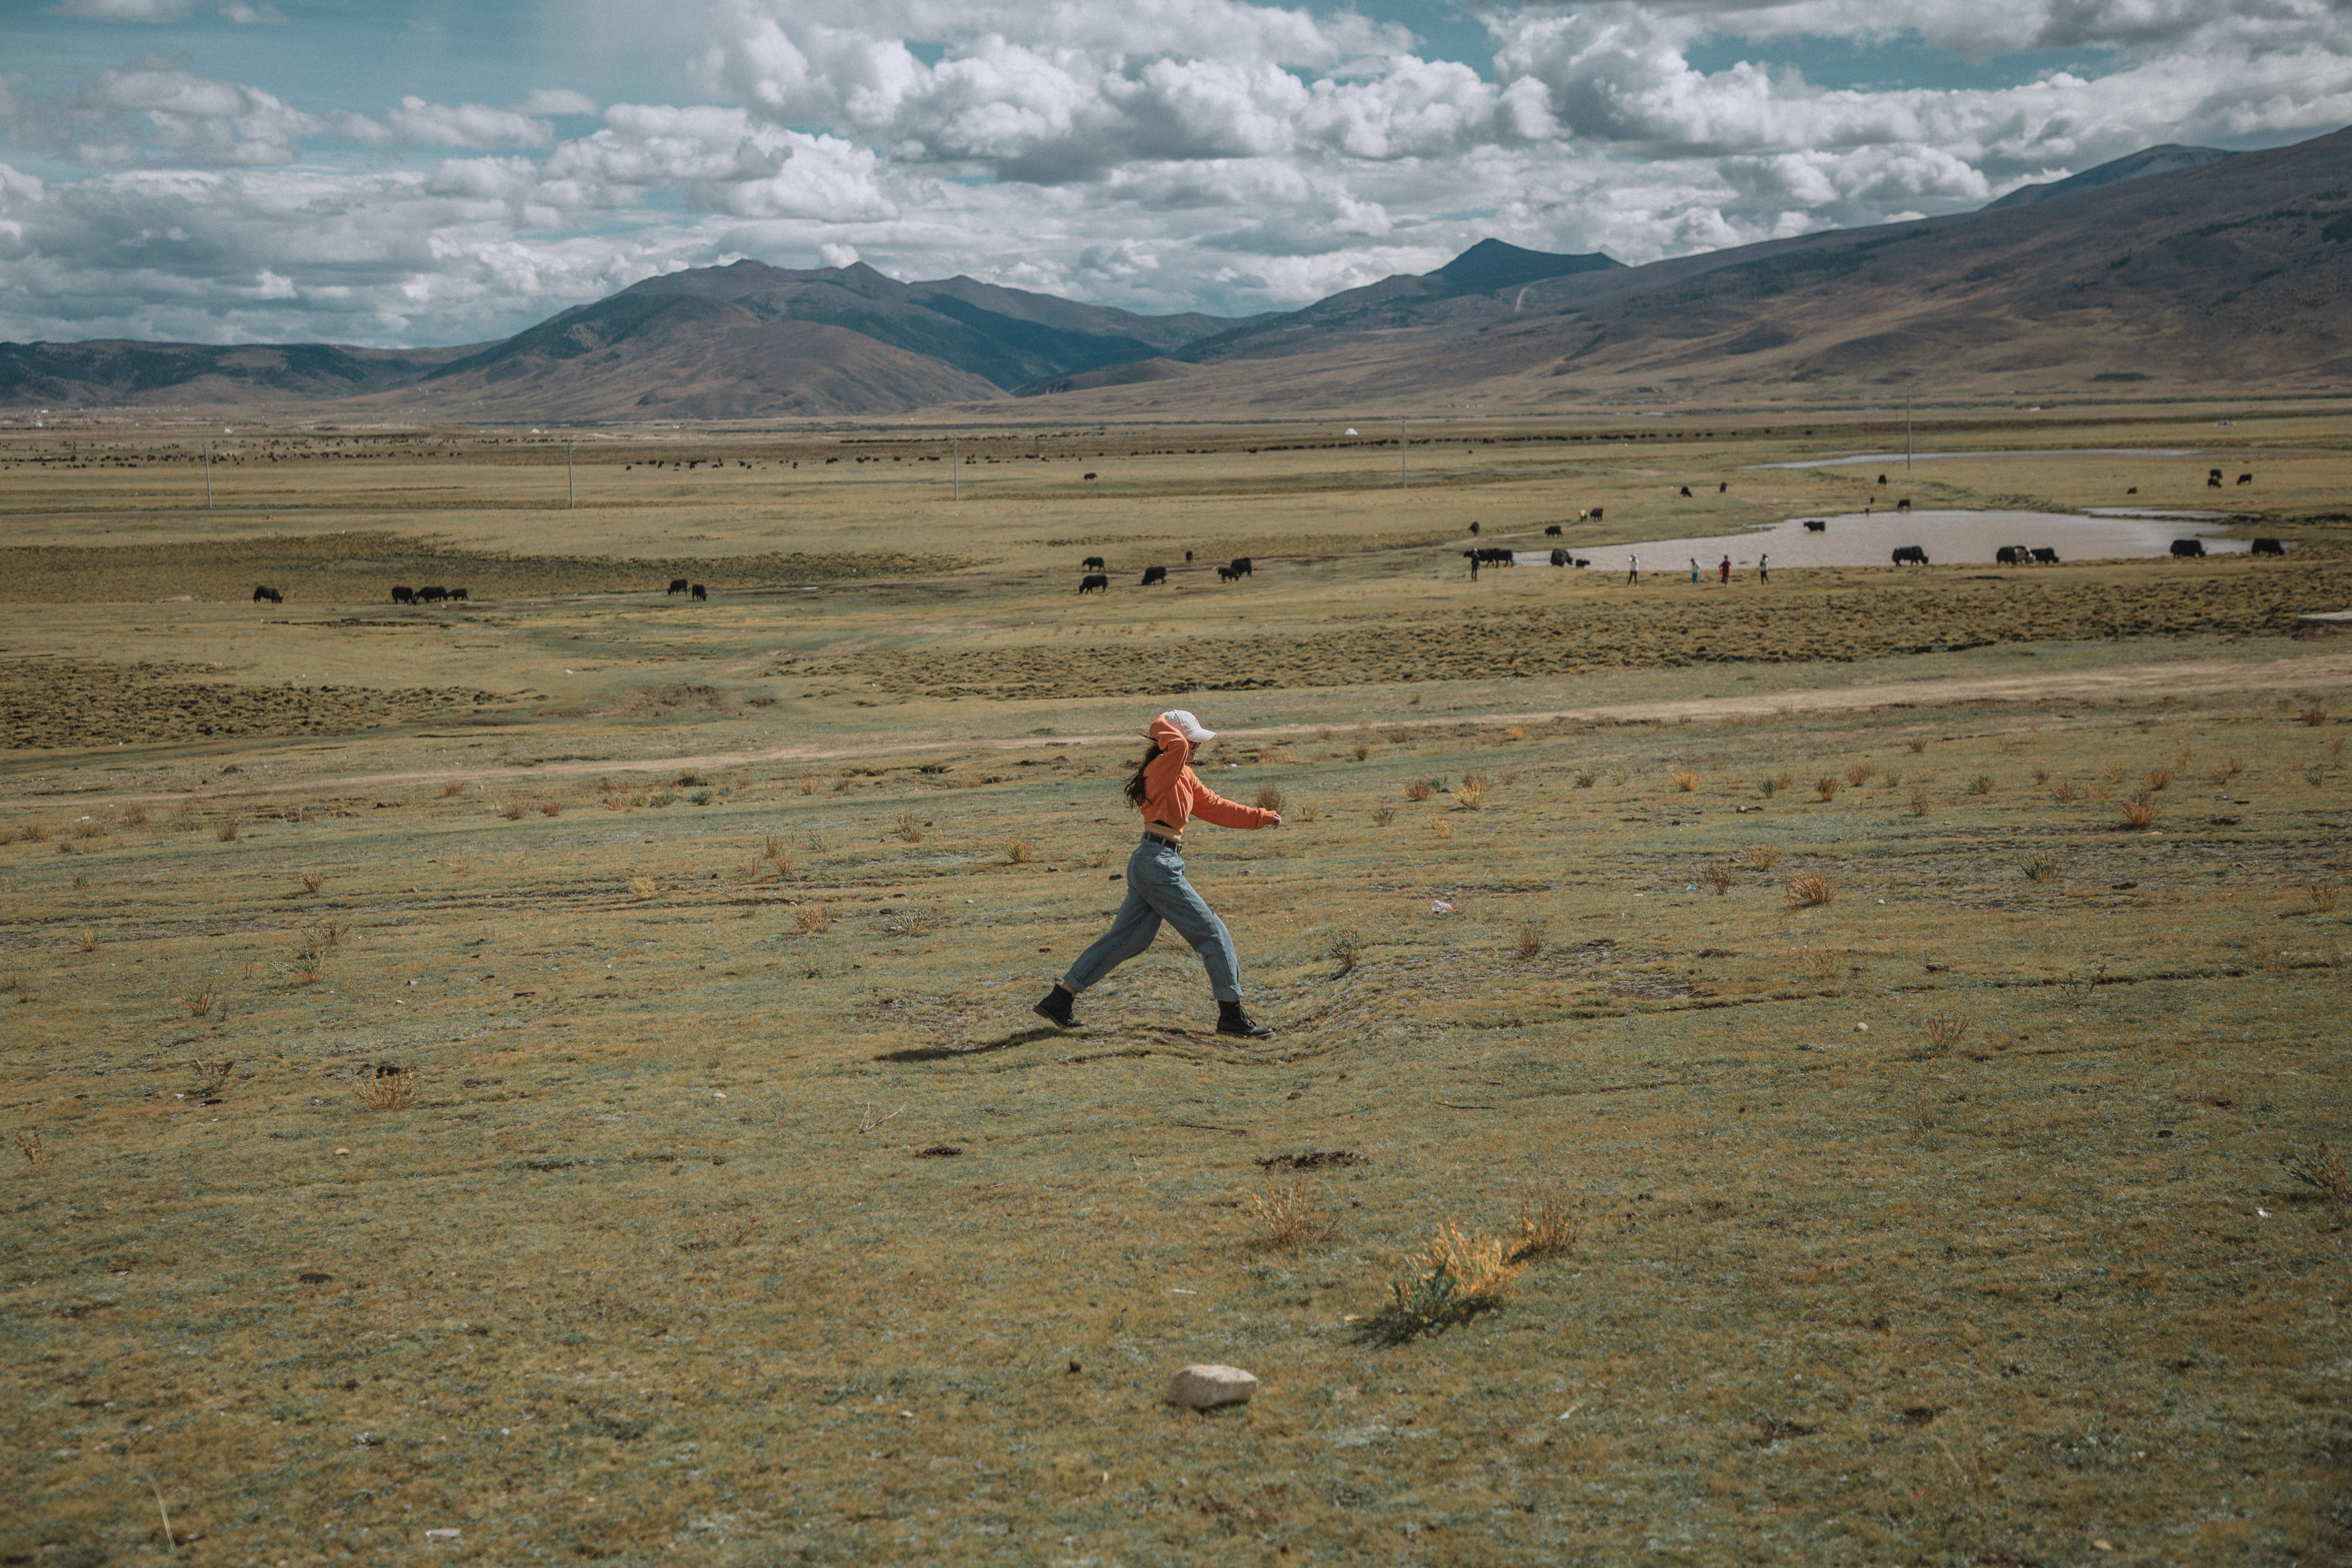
1809	889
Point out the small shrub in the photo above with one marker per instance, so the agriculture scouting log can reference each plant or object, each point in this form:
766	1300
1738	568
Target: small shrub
92	828
452	789
814	918
1020	851
1269	798
1767	788
86	942
551	808
1716	879
1363	751
1530	941
661	799
385	1086
2065	794
1684	779
1617	777
1888	778
1547	1227
458	864
1980	785
697	797
330	936
2320	892
2315	715
1919	803
1440	826
909	828
1399	735
1917	743
309	965
225	830
1516	733
134	815
36	1152
1763	857
2313	774
2138	811
1809	890
1344	948
37	835
642	887
2320	1168
2042	775
2040	869
809	784
198	997
7	836
1288	1214
1585	778
313	880
2222	772
1305	812
772	847
511	811
1825	788
1946	1029
689	777
2157	778
2115	772
1858	774
1417	790
1472	792
1819	965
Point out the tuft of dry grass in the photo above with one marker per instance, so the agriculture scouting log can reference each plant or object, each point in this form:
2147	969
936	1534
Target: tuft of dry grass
2222	772
1683	779
1980	785
1305	812
309	965
1441	828
1530	941
1020	851
86	942
330	936
1716	879
1268	797
1547	1227
212	1077
1481	1266
1763	857
1399	735
2138	811
36	1152
36	834
1888	778
1919	801
385	1086
2322	1169
2319	892
1288	1214
313	880
225	830
1472	792
1516	733
7	836
1417	790
198	997
909	828
1819	965
1944	1029
2157	778
2040	869
92	828
2315	715
642	886
2065	794
1809	890
134	815
1383	814
511	811
810	784
452	789
1917	743
1825	788
814	918
1858	774
1363	751
2116	773
551	808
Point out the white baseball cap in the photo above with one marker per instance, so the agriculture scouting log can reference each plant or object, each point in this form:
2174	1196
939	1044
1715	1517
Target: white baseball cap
1188	727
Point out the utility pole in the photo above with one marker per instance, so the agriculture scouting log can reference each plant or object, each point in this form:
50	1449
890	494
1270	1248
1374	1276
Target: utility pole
568	502
955	466
208	475
1906	432
1405	445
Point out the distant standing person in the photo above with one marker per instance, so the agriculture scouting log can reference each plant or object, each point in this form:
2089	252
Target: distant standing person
1763	568
1169	794
1694	571
1633	569
1726	570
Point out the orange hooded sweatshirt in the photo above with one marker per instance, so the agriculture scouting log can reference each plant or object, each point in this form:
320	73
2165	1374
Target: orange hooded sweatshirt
1174	793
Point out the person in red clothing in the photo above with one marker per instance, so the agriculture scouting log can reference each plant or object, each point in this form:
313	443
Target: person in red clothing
1169	794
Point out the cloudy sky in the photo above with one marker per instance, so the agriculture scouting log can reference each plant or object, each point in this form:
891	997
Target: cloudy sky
390	172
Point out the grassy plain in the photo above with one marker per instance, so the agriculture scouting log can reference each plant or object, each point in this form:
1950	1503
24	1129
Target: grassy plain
1942	1222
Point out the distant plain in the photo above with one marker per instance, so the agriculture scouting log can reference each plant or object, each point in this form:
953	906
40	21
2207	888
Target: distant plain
1953	1220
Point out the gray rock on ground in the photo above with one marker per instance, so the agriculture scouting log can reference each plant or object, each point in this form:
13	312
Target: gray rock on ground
1206	1387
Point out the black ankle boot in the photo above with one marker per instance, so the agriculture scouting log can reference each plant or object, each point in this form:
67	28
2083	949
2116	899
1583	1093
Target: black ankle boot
1056	1008
1232	1020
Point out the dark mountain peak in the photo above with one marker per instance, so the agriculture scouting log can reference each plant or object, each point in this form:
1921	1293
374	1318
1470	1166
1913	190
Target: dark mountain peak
2164	160
1493	264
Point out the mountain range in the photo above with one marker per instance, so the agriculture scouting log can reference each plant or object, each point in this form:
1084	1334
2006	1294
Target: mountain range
2172	266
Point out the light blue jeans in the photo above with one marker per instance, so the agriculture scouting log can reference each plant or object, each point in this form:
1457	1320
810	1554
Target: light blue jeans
1157	891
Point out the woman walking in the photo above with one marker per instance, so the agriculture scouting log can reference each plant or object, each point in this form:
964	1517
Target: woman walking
1169	794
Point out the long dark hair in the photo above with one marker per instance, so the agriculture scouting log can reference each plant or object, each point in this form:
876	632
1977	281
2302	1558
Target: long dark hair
1135	790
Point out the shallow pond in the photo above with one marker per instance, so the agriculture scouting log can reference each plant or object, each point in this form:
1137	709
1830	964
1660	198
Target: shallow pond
1951	538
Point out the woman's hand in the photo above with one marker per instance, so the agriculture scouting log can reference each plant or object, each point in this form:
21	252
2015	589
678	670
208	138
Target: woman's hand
1278	820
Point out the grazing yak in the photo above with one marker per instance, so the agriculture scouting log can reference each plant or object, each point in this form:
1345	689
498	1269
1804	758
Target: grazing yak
1095	582
1154	574
1817	525
1552	532
457	593
1596	513
431	596
2046	557
1723	489
1242	567
2011	555
1903	505
1492	556
2269	547
2188	548
1092	476
1227	574
1687	495
2245	479
2212	478
1560	557
699	592
1473	530
1910	555
403	595
270	594
1093	563
677	585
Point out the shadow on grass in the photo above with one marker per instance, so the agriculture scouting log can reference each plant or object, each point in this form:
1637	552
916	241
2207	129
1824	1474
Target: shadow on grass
947	1053
1428	1304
